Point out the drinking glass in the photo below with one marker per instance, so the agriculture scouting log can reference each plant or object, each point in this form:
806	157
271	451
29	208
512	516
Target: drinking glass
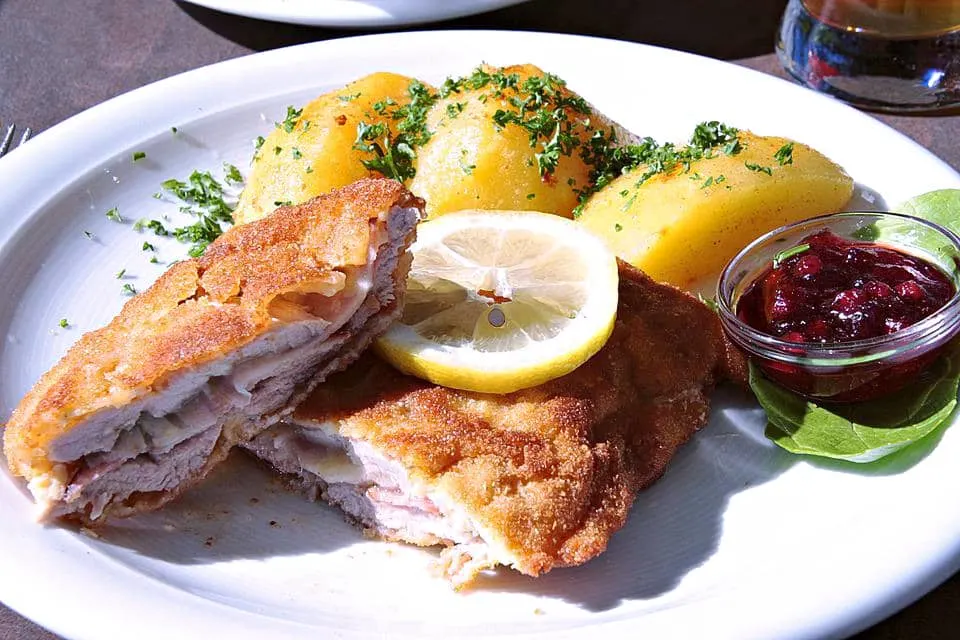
886	55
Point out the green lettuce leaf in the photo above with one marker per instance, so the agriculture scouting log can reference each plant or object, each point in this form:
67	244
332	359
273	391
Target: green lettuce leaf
941	207
862	431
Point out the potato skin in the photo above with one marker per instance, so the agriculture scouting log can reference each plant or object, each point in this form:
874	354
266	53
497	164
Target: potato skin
325	147
471	163
680	231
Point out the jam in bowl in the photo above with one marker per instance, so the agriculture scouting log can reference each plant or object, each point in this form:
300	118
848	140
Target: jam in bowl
844	307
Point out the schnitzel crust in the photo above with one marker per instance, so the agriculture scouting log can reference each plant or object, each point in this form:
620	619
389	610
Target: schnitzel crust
549	473
200	309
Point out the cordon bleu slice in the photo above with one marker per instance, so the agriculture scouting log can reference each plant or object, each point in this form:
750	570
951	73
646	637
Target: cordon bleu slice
535	479
218	349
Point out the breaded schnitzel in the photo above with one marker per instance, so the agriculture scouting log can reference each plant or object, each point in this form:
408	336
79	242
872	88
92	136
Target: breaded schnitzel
218	349
534	479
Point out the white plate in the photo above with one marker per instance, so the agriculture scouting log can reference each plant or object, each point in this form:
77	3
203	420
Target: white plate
738	540
355	13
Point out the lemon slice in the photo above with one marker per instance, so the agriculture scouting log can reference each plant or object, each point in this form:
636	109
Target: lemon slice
501	300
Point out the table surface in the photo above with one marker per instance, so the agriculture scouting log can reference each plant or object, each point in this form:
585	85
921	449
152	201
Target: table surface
58	58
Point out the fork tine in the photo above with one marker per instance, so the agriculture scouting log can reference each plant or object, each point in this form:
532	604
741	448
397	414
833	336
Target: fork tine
26	136
7	137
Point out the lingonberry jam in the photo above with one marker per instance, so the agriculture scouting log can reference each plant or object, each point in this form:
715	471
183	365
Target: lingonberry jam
830	290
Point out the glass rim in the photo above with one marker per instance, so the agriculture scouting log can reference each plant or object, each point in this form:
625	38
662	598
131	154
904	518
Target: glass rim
834	353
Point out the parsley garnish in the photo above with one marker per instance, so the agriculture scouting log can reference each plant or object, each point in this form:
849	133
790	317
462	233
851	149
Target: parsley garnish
129	289
121	273
348	98
259	142
282	203
63	323
291	120
114	214
531	196
296	153
753	166
788	253
617	227
153	260
148	247
139	155
157	227
784	154
392	143
203	197
309	169
88	235
231	174
454	109
173	130
609	161
543	107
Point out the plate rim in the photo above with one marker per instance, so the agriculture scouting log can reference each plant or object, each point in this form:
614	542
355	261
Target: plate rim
351	14
927	575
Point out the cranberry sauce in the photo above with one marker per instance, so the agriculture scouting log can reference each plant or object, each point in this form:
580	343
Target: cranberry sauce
831	290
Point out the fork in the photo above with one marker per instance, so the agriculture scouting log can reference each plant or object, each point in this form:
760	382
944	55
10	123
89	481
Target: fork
5	145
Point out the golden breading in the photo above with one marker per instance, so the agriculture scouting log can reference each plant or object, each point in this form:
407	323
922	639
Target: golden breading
549	472
198	310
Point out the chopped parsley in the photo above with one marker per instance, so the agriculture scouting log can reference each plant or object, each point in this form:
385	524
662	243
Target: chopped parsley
349	98
173	130
153	260
309	169
63	323
753	166
608	161
786	254
392	143
231	174
157	227
121	273
148	247
114	215
466	168
139	155
784	154
617	227
291	120
129	289
88	235
277	150
454	109
531	196
282	203
296	153
259	142
543	107
203	197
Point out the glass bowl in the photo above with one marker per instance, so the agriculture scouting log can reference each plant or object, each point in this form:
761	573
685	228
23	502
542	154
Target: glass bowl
858	369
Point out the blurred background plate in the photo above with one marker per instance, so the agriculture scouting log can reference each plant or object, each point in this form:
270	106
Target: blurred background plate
355	13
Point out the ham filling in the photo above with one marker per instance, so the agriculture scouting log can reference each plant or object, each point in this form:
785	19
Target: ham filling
156	442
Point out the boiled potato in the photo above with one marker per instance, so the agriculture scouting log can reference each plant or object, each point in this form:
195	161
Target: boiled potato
683	226
471	162
313	153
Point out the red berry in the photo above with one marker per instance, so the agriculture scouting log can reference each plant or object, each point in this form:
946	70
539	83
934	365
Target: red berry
818	329
910	290
807	265
794	336
878	290
849	301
